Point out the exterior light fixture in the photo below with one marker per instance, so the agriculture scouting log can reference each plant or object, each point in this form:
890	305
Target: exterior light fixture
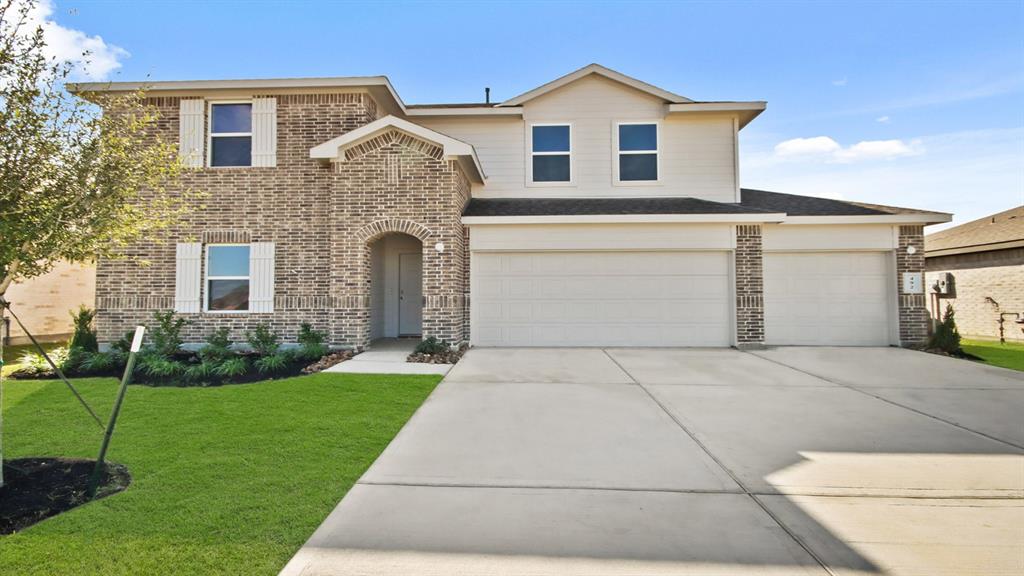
911	250
439	246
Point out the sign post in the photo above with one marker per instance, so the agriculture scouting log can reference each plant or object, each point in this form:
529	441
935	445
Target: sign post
97	472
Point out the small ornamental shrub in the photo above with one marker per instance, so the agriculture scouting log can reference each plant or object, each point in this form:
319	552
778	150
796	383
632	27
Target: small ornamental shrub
311	344
157	366
101	362
217	349
263	341
84	337
432	345
165	336
946	336
35	364
201	373
271	364
124	344
232	367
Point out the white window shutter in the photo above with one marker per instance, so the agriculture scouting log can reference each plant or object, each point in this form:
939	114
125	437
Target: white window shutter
264	132
261	277
188	277
192	133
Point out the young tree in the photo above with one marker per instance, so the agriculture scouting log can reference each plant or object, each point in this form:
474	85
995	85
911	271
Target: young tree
80	177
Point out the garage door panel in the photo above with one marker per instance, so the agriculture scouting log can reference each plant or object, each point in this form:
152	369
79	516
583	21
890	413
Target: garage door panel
601	299
827	298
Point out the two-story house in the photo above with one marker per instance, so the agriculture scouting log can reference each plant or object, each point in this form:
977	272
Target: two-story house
595	210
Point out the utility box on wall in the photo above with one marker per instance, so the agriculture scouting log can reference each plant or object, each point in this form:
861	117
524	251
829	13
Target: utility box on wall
913	283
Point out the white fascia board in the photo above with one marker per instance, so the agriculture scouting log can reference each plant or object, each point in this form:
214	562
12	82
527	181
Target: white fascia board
602	71
511	111
254	84
625	219
909	218
453	149
754	105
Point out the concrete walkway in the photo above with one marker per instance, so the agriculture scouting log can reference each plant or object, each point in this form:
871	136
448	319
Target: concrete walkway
387	356
687	461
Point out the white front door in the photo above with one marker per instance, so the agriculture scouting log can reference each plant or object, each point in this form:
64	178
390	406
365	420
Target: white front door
827	298
410	294
601	298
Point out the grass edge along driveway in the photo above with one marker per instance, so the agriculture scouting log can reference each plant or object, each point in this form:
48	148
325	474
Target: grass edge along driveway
1009	355
226	480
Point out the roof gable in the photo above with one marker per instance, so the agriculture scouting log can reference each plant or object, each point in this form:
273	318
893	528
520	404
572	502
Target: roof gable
608	73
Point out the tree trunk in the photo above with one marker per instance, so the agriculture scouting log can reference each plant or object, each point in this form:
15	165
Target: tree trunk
12	268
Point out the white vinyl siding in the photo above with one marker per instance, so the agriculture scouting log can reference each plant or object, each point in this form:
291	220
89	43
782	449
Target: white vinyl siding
264	132
187	277
191	132
597	298
261	273
828	298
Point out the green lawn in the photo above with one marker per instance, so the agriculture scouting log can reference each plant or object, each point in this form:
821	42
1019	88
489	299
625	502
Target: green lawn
1005	355
228	480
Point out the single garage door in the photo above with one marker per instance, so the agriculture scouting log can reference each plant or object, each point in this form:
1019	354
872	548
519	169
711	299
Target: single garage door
827	298
600	299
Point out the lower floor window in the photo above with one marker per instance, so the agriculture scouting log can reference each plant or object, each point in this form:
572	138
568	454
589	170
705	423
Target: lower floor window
227	277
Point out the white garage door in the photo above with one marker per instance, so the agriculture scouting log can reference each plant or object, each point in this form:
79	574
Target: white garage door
827	298
601	299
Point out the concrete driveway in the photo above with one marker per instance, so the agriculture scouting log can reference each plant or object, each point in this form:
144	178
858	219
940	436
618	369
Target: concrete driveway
687	461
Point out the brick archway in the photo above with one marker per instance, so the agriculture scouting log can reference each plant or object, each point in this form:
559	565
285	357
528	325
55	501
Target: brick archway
378	228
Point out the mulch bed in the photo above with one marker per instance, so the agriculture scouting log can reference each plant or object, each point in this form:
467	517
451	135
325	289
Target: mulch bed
328	361
37	488
447	357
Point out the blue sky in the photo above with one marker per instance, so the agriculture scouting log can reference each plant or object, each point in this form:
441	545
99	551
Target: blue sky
915	103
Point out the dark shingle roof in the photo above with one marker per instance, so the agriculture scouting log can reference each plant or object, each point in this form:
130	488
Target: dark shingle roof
795	205
600	206
989	233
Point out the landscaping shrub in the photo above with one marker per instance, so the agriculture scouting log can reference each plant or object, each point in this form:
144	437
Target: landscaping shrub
84	337
217	348
272	364
201	373
232	367
156	366
263	341
311	343
34	365
101	362
165	337
946	337
432	345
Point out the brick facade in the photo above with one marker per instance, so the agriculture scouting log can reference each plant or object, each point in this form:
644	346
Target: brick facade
749	287
913	311
321	219
979	279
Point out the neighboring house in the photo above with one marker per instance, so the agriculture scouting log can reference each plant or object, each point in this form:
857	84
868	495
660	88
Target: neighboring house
978	267
595	210
43	303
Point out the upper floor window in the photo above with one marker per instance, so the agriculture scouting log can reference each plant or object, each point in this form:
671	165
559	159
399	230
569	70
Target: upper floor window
231	134
638	152
551	152
227	277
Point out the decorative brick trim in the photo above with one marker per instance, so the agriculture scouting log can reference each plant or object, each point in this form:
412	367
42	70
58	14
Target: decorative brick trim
226	237
394	137
375	230
913	310
749	287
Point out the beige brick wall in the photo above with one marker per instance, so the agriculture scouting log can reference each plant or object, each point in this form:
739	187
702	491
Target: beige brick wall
43	302
975	316
317	216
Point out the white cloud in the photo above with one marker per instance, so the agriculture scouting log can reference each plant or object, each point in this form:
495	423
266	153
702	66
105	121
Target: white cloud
92	57
840	82
823	148
882	119
971	174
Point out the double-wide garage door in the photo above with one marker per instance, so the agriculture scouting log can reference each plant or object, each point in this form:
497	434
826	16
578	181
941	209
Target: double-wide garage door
827	298
643	298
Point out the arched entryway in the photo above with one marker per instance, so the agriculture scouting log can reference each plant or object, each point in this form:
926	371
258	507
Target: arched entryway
396	286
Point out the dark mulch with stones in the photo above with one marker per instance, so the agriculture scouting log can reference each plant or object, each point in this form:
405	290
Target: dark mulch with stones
446	357
37	488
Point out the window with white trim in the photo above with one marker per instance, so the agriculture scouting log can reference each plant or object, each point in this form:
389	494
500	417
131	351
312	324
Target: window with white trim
227	277
638	152
231	134
551	153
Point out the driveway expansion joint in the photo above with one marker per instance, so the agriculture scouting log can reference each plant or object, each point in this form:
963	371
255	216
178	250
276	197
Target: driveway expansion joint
891	402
